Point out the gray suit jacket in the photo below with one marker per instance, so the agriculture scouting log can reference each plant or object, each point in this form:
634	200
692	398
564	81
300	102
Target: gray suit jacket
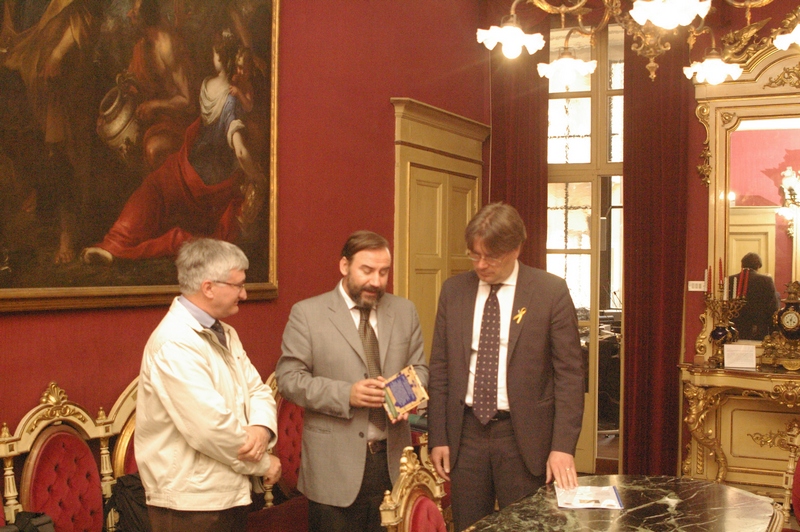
322	357
546	367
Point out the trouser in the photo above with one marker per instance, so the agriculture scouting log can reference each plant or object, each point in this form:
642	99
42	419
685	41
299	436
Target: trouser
489	467
168	520
364	514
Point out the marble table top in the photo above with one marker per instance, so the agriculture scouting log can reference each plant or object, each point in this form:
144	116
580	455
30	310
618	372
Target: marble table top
654	503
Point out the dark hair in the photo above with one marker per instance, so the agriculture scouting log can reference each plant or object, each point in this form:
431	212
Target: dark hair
361	240
150	13
227	46
752	261
500	227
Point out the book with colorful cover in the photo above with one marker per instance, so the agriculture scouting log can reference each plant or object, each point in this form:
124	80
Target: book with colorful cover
403	392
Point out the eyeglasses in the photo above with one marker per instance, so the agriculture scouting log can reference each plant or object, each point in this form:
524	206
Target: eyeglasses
491	261
239	286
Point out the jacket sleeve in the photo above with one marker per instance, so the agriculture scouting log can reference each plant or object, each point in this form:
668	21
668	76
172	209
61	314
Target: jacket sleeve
294	372
569	372
181	379
438	383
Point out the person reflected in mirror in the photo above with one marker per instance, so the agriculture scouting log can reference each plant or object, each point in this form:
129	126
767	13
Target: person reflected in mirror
761	299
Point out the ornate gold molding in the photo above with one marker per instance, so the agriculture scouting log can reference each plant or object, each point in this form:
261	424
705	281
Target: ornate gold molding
786	394
701	402
57	398
790	76
703	112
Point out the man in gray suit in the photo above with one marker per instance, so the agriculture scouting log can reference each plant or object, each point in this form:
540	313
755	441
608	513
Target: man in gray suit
351	453
507	374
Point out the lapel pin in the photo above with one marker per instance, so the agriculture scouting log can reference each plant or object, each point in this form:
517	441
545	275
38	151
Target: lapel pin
521	312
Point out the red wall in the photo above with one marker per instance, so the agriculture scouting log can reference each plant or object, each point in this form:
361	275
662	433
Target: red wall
340	61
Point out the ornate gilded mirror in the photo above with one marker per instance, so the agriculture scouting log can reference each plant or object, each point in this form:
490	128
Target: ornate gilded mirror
751	164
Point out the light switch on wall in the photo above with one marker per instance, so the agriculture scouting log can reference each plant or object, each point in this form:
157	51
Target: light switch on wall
697	286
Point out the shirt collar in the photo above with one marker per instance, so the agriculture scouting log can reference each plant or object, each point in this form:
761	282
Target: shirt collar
204	318
511	280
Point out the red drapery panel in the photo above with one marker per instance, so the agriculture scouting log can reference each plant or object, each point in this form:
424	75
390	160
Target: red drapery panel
656	119
518	173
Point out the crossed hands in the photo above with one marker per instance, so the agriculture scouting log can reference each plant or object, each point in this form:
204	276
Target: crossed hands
253	449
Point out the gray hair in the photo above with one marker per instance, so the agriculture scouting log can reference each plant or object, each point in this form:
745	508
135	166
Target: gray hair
207	259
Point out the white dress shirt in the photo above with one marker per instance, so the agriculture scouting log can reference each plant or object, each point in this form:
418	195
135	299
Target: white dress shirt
373	432
505	297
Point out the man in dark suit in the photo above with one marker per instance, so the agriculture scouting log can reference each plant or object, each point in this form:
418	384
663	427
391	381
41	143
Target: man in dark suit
506	400
761	299
351	453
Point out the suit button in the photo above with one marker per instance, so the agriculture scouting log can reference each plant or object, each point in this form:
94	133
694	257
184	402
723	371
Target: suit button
360	434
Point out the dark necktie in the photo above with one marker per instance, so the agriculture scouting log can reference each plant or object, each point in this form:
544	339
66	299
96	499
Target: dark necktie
220	332
484	393
376	415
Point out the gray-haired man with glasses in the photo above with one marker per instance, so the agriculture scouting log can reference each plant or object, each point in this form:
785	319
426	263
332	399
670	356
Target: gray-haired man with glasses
204	417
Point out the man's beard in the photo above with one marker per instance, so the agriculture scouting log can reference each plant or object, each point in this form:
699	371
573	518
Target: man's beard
356	292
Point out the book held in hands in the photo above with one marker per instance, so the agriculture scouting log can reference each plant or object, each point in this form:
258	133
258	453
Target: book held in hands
404	392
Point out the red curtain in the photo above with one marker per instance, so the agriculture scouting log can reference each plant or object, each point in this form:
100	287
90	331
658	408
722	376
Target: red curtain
518	142
656	125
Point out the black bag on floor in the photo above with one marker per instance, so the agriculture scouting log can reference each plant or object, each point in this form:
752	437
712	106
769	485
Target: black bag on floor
127	498
33	522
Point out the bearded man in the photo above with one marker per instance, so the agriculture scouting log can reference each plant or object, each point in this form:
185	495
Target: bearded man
351	452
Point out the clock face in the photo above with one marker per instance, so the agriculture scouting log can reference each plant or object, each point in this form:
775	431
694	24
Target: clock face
790	320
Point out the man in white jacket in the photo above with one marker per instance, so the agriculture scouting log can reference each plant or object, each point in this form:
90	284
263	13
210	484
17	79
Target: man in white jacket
204	417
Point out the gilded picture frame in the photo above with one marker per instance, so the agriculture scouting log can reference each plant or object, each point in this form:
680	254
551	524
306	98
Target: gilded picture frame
126	128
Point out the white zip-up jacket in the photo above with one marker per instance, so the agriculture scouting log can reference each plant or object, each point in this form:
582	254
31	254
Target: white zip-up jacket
194	399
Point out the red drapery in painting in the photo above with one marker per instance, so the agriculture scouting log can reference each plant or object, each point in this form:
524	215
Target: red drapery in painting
518	142
656	125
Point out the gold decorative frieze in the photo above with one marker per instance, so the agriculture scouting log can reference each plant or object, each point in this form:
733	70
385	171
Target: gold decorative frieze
790	76
770	439
785	394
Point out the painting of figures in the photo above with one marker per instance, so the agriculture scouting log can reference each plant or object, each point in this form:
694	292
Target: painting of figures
128	127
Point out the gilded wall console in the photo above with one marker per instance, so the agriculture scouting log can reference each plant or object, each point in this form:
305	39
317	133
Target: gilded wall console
730	415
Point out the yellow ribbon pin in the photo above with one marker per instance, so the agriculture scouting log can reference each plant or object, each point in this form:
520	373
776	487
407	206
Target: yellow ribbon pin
521	312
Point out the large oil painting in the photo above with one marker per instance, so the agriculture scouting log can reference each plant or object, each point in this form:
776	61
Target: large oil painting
128	127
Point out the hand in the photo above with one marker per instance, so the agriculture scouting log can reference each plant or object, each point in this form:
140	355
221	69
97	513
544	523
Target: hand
145	111
274	473
440	456
255	445
368	393
561	468
401	417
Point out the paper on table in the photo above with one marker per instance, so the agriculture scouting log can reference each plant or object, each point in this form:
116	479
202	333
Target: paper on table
589	497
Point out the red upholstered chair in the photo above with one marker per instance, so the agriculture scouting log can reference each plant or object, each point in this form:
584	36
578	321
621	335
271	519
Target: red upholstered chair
414	504
287	512
61	479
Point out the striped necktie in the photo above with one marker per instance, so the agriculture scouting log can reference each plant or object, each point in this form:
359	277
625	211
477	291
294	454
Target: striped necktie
377	416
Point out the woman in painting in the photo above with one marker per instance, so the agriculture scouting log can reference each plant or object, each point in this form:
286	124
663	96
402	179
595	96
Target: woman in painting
198	190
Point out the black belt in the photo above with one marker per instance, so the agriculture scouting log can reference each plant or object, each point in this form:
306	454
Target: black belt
376	446
501	415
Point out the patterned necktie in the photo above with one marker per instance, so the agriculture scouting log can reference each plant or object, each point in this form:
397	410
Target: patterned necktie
377	416
220	332
484	394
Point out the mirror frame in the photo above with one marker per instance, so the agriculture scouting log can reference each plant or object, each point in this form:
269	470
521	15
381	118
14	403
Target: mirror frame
769	87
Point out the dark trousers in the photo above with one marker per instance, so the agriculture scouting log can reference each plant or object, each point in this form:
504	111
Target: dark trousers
168	520
489	467
364	514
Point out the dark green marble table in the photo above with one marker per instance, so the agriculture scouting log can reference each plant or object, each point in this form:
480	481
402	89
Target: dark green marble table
656	503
